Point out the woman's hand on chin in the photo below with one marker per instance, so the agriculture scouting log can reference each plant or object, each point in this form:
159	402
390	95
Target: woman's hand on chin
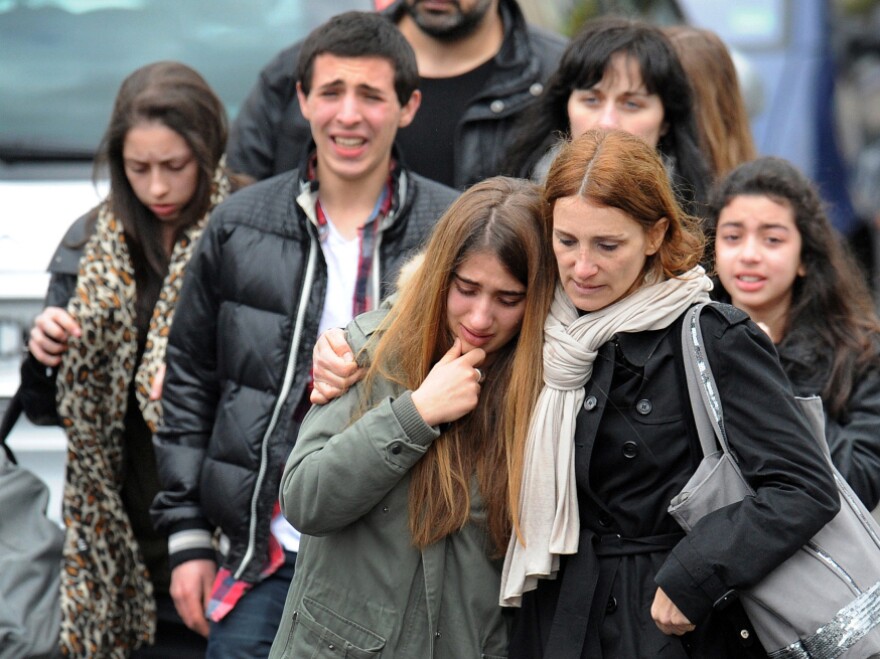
452	388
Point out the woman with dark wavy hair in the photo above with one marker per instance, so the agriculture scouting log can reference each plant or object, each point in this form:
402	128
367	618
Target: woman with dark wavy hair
779	259
625	74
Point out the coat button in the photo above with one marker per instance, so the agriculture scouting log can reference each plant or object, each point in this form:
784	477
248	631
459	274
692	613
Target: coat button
630	450
497	106
644	406
590	403
611	607
744	633
396	449
384	509
605	520
536	89
331	647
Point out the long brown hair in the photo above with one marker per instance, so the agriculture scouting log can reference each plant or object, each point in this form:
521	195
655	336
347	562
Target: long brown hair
722	120
503	217
176	96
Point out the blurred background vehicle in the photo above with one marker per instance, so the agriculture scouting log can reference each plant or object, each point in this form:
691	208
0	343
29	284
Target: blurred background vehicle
61	63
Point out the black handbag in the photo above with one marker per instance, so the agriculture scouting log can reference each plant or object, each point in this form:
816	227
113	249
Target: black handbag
824	601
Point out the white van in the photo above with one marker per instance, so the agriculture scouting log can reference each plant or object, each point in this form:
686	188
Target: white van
61	64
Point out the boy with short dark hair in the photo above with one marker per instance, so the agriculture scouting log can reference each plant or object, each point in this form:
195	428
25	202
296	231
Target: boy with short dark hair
281	261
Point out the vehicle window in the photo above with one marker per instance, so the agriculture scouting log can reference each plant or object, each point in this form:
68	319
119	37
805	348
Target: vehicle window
745	24
662	12
62	61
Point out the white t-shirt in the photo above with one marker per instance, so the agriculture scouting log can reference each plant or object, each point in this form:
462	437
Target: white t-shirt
342	257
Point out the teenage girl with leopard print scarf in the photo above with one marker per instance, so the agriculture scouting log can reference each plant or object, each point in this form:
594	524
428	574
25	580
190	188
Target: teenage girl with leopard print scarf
163	149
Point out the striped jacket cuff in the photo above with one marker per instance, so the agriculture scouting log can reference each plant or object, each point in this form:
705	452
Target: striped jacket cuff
190	544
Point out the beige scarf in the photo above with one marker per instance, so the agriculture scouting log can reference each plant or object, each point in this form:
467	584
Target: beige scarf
107	600
548	514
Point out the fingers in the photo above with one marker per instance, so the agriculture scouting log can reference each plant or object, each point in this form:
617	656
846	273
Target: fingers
48	354
59	323
190	609
158	380
451	388
453	353
318	398
323	392
191	585
332	353
668	617
674	630
334	369
474	357
48	336
202	626
335	337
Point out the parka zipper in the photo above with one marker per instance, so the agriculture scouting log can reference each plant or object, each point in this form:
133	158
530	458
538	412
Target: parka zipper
285	390
376	280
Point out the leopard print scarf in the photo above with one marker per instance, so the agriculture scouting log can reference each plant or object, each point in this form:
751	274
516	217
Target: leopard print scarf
107	601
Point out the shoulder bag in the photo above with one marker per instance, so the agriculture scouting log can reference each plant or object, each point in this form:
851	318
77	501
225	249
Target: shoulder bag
30	559
824	601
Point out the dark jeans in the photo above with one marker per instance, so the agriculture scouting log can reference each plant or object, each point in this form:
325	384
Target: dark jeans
173	638
247	632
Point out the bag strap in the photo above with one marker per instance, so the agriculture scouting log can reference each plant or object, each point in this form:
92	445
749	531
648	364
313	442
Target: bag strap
9	418
702	390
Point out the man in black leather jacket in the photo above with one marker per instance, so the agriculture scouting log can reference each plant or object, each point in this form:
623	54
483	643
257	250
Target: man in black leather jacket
480	66
279	261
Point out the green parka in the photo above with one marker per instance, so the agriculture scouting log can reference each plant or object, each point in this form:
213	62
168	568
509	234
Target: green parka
361	588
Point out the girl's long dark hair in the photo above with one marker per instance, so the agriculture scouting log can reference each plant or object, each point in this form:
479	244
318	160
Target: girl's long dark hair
831	303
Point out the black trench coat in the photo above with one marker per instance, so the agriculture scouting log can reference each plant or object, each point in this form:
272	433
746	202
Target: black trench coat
635	448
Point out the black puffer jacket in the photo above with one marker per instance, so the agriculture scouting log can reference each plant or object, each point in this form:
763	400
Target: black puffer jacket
269	132
239	357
